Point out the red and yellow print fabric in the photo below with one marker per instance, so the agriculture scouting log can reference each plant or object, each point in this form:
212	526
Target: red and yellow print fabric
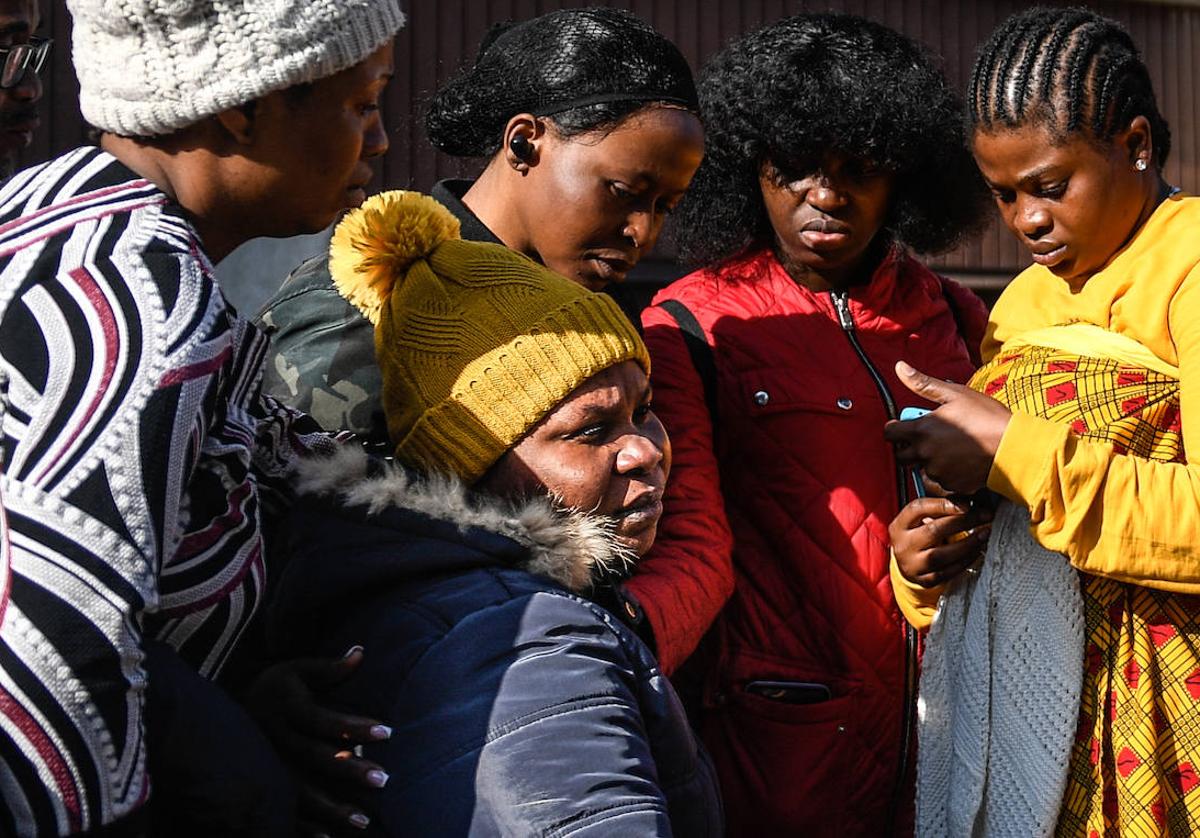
1134	767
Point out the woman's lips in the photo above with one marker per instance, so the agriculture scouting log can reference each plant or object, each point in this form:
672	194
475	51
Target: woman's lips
610	269
1051	257
21	128
640	514
824	234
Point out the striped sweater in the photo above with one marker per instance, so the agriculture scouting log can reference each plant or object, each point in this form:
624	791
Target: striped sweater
138	457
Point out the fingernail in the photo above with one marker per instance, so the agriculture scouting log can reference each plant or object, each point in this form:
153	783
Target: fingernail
377	777
359	820
380	732
904	369
352	650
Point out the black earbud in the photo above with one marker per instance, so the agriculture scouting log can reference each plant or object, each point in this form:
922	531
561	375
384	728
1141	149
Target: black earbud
521	148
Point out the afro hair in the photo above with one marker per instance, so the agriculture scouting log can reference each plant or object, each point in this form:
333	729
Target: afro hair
810	85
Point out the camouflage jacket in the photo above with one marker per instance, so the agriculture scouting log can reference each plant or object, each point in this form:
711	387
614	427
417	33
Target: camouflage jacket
322	354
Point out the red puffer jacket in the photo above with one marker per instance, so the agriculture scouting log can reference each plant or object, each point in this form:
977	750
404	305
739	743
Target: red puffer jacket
809	690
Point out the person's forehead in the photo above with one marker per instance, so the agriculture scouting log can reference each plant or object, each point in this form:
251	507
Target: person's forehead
612	385
18	15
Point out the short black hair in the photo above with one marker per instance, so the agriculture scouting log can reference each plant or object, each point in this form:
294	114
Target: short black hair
586	70
813	84
1070	70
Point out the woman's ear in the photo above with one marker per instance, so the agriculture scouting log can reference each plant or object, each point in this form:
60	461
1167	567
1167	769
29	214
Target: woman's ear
239	122
1138	141
522	142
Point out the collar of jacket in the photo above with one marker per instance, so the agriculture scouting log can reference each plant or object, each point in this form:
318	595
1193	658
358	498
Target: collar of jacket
902	294
569	547
449	193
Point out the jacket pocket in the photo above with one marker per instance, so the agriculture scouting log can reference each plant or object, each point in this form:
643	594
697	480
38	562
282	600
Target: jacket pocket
803	434
766	392
781	741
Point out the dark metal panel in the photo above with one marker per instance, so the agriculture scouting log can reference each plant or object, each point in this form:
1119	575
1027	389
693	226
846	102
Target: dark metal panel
445	33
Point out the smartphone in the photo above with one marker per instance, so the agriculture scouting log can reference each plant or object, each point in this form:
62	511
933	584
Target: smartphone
907	415
791	692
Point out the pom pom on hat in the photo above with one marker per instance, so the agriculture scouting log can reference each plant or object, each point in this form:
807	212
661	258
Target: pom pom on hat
475	342
375	244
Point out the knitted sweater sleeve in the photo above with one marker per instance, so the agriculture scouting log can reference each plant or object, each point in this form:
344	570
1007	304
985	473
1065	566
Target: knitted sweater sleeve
1113	514
109	360
688	575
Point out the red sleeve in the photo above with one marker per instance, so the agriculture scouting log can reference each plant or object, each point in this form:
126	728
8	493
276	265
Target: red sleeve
971	314
685	579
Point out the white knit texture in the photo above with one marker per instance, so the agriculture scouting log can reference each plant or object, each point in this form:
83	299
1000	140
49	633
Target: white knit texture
150	67
1000	689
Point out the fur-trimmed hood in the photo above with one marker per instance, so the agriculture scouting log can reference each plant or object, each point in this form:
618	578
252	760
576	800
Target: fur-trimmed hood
474	661
569	547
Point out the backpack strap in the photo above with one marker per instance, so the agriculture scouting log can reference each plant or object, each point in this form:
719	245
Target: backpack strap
695	673
960	324
699	350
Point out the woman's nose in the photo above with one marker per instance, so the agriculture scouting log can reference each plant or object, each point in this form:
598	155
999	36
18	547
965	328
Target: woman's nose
375	142
1036	223
825	195
1033	221
28	89
639	452
639	229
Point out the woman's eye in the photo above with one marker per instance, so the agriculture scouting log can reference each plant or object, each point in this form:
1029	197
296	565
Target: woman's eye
1056	190
621	191
1004	196
592	433
784	179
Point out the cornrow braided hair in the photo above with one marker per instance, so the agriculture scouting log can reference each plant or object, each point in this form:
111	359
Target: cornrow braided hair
1070	70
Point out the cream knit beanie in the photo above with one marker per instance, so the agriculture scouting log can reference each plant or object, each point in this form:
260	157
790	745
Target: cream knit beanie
149	67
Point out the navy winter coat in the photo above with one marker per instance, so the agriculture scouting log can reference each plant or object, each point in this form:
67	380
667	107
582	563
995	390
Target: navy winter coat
518	707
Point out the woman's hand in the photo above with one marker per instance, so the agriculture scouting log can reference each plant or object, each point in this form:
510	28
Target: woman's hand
317	742
921	535
956	443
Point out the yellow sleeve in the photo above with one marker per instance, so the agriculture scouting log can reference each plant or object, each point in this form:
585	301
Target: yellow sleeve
917	604
1112	514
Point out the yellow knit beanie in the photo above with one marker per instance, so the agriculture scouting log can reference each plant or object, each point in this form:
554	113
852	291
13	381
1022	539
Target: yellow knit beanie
476	342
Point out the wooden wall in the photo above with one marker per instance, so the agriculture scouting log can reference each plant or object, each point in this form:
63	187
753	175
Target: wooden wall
444	33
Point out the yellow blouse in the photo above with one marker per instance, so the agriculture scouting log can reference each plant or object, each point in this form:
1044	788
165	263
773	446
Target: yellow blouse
1111	514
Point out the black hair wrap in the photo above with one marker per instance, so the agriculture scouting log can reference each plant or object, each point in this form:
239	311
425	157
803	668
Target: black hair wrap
612	98
586	69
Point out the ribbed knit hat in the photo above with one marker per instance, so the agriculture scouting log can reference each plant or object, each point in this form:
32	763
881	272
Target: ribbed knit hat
476	342
149	67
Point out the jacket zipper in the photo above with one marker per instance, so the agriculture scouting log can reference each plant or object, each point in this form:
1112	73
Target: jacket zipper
841	304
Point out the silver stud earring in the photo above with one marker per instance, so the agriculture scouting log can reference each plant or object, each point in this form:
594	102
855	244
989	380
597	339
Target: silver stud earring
1140	164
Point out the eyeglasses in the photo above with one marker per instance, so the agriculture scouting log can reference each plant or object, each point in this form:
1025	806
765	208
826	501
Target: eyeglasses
20	58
